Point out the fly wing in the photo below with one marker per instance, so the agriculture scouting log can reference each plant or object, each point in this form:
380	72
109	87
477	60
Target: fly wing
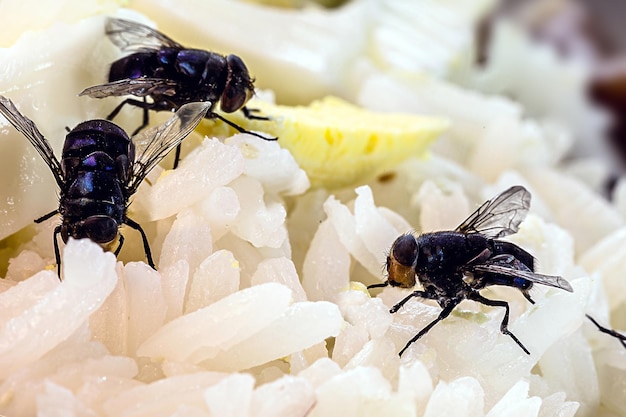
28	128
500	216
139	87
154	144
131	36
549	280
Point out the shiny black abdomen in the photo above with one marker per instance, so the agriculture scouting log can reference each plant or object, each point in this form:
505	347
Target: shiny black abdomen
139	64
507	248
97	145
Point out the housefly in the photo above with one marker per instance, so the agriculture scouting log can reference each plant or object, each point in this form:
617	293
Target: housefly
171	75
100	169
618	336
455	265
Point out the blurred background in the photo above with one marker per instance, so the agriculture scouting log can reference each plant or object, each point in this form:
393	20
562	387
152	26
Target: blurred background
588	30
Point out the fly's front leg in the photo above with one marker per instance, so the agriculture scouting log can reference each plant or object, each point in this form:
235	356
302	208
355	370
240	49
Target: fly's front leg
444	313
240	129
46	216
119	246
57	253
146	245
248	113
421	294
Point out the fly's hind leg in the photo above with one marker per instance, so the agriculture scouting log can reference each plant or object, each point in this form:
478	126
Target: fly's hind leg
505	321
618	336
141	104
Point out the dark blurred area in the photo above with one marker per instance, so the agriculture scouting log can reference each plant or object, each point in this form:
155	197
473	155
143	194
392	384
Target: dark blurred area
590	30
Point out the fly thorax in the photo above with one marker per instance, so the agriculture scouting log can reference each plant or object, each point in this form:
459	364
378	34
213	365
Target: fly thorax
97	161
214	75
431	255
97	185
191	63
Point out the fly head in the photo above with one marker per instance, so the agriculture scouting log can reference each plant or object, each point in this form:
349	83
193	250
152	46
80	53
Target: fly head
401	262
239	86
101	229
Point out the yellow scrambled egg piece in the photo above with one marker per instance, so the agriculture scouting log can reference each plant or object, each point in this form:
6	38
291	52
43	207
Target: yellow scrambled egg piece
337	143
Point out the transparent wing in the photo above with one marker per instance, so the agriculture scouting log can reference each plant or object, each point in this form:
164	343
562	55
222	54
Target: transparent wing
549	280
154	144
139	87
28	128
499	216
131	36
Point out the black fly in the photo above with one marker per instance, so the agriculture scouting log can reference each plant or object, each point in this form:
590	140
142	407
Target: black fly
99	172
618	336
455	265
171	75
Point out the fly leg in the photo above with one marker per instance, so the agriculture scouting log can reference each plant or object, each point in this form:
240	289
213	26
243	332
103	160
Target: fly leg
146	245
444	313
176	157
618	336
447	309
240	129
248	113
57	230
57	253
146	117
421	294
119	247
46	216
141	104
505	321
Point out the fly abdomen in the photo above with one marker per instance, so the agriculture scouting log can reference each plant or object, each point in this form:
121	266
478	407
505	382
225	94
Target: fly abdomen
509	281
507	248
140	64
92	193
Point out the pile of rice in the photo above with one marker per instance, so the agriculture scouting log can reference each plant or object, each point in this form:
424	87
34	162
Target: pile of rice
259	306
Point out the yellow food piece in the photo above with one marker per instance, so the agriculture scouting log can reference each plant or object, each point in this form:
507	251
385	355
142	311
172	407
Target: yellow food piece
358	286
335	142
